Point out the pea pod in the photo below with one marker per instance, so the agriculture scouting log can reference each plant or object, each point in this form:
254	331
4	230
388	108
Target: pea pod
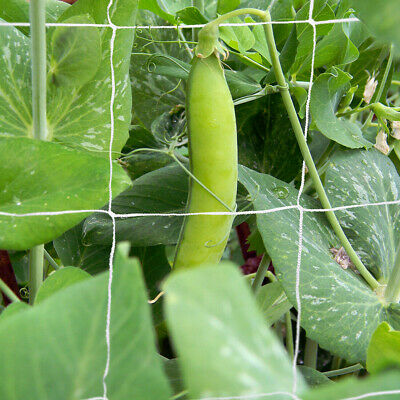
213	161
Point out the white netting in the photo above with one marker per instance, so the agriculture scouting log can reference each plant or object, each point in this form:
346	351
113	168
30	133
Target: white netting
301	209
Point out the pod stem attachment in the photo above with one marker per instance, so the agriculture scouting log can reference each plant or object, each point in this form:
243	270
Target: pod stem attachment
209	34
305	151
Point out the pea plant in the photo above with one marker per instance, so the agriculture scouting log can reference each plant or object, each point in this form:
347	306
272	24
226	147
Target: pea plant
199	199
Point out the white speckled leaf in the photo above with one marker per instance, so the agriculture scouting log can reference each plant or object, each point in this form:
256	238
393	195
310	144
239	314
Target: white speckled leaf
225	348
15	83
339	310
37	176
78	116
363	177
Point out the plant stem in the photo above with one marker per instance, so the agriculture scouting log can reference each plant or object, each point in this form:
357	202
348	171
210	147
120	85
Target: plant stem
38	48
36	263
311	353
381	86
51	261
38	39
392	291
236	13
289	335
298	130
397	83
8	292
261	271
343	371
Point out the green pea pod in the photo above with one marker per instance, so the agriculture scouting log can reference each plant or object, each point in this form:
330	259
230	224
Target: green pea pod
213	161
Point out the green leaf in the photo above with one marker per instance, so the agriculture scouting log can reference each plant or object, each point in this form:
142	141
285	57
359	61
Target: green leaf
15	84
381	17
147	195
153	6
151	92
191	16
61	344
34	177
60	280
272	301
339	311
69	247
266	139
13	309
305	32
334	49
326	93
74	61
351	388
224	346
239	38
384	349
363	177
78	116
82	116
224	6
18	11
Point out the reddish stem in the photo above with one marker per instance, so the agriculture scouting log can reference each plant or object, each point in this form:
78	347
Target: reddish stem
7	275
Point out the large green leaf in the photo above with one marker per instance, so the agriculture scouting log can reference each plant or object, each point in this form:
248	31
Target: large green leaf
18	11
160	191
339	310
363	177
78	116
326	93
74	61
57	349
37	176
224	347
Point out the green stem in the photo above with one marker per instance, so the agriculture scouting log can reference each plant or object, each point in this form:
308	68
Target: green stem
298	130
354	111
311	353
381	86
36	262
8	292
38	48
392	291
289	335
236	13
38	38
343	371
51	261
397	83
261	271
